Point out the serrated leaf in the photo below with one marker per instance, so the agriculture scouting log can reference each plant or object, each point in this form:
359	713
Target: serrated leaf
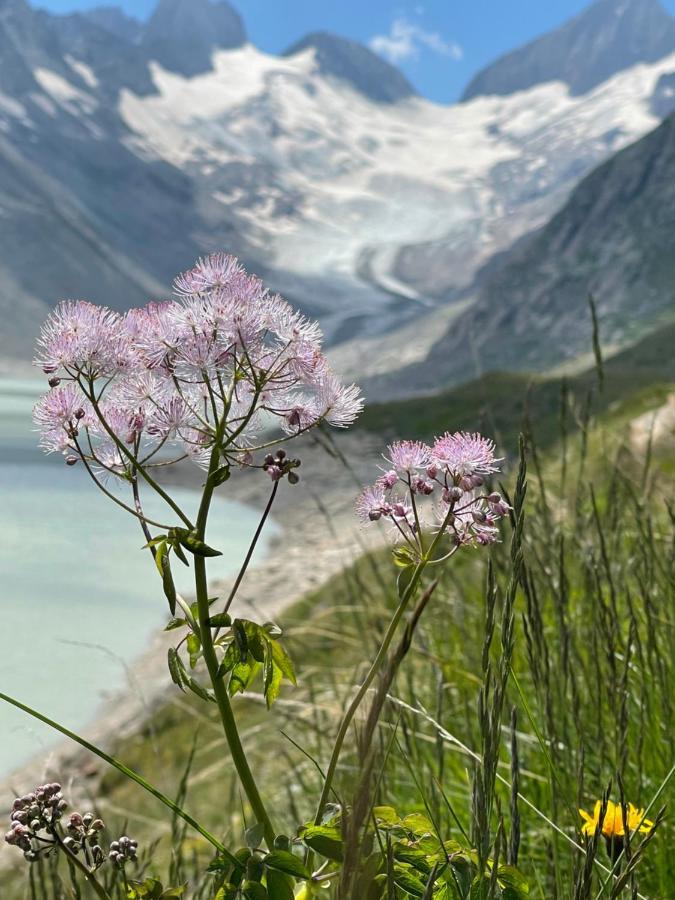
242	676
287	862
283	661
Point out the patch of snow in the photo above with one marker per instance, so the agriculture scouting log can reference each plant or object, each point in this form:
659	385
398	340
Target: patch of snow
336	179
64	93
85	72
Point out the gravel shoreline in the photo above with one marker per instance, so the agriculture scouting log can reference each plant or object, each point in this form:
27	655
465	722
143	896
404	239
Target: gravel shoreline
318	535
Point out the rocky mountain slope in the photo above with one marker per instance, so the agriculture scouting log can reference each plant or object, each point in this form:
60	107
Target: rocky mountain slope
127	149
607	37
613	239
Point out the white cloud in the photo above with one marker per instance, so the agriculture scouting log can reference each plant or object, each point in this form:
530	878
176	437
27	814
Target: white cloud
406	39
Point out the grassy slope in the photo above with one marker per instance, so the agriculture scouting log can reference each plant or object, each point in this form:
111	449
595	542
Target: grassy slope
497	403
571	666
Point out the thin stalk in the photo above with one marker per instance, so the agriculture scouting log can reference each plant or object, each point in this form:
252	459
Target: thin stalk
89	876
132	459
125	770
210	658
249	554
374	669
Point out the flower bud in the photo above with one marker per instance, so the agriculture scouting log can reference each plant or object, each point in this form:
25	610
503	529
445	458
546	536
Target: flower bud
54	382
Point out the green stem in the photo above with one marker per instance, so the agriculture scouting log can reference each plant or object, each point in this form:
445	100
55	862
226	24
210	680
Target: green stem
374	668
212	664
89	876
125	770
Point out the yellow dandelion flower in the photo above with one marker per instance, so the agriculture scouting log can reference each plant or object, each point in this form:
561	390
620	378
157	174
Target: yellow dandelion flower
612	823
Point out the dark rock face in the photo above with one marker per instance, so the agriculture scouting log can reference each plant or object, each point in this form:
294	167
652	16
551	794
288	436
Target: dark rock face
113	20
609	36
357	65
663	98
614	239
182	34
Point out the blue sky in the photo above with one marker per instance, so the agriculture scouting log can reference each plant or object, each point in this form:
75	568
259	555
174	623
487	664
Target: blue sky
439	44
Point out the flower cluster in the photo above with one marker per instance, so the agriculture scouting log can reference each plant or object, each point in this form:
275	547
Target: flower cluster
122	851
83	837
37	830
36	812
453	472
221	364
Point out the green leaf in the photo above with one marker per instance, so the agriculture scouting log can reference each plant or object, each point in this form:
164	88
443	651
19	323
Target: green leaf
240	638
172	624
412	856
324	839
194	647
279	886
227	892
272	678
253	890
283	661
509	876
220	620
191	542
386	815
417	824
200	691
242	676
164	566
408	881
174	892
177	670
150	889
287	862
220	476
255	835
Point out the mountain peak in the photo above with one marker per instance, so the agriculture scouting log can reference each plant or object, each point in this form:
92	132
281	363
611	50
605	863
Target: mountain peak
607	37
114	20
182	34
357	65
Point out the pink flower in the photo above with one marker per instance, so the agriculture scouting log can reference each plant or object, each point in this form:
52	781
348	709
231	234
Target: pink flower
465	455
407	456
372	504
81	337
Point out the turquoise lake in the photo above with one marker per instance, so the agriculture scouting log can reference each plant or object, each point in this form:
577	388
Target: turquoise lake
79	598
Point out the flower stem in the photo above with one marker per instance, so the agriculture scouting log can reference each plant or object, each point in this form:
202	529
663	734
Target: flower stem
212	664
374	669
89	876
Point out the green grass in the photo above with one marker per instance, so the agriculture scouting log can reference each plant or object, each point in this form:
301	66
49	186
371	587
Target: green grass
592	691
503	404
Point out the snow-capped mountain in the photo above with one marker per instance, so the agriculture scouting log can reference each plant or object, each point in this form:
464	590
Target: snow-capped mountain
607	37
122	158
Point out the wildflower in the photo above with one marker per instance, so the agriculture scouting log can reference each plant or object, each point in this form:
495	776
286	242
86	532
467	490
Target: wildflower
612	822
466	457
611	825
408	456
36	812
457	464
222	359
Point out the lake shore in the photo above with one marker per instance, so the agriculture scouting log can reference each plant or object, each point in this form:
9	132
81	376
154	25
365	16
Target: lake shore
318	535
